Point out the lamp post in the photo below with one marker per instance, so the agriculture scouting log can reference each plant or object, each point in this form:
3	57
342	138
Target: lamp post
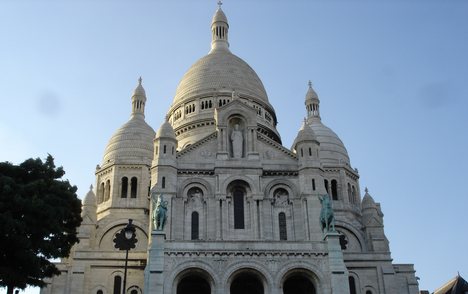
126	240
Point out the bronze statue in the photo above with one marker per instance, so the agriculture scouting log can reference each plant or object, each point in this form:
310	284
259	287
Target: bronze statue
159	213
327	219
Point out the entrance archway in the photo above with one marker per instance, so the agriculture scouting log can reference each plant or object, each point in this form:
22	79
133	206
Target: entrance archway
246	283
193	284
298	284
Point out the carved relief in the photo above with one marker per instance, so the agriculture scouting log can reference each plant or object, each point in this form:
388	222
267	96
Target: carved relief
281	197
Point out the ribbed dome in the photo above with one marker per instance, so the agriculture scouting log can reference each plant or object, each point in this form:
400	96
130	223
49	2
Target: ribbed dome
332	149
220	71
90	198
166	131
131	143
219	16
305	134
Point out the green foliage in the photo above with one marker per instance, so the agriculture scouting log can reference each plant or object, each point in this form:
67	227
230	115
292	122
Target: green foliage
39	216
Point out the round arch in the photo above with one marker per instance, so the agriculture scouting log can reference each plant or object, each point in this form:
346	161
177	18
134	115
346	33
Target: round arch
107	233
251	185
310	271
253	269
184	269
280	183
192	182
346	226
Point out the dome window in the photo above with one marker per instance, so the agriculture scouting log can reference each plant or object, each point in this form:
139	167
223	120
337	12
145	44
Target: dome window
163	182
334	188
124	188
282	226
133	187
313	184
195	226
238	209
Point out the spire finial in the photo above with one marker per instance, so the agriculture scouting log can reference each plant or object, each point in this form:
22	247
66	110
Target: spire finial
366	190
139	80
91	187
310	84
220	3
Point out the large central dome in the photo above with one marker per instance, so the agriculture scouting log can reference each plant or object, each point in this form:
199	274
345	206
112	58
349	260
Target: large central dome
220	70
214	81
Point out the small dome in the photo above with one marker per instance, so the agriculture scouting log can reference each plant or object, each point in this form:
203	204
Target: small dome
332	149
220	71
131	143
166	131
90	198
311	94
219	16
139	90
367	201
305	134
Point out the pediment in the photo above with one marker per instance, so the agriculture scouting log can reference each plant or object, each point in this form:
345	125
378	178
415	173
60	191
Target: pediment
373	222
272	150
201	151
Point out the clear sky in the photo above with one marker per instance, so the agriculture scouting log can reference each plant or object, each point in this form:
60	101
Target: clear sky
392	77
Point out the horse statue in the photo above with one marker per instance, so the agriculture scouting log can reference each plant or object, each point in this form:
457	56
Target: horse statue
327	219
159	213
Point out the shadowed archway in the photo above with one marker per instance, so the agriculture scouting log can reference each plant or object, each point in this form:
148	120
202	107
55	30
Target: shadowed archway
246	283
193	284
298	284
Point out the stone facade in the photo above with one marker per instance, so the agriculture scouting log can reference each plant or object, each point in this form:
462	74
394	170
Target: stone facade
243	210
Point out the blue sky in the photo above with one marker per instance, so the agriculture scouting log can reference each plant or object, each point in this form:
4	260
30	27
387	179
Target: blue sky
392	77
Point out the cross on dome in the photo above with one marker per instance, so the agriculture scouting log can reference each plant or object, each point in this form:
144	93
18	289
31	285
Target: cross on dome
220	3
310	84
139	80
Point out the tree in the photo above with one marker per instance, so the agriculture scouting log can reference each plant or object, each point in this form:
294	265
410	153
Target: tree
39	216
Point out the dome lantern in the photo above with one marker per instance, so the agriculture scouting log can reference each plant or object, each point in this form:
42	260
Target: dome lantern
219	30
312	103
138	100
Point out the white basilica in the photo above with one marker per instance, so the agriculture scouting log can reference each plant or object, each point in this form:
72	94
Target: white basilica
243	211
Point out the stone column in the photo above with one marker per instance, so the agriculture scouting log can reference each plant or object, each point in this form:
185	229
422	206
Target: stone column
337	269
154	271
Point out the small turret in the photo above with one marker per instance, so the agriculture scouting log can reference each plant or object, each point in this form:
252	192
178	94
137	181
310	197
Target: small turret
164	167
307	146
87	228
139	100
372	219
312	103
219	30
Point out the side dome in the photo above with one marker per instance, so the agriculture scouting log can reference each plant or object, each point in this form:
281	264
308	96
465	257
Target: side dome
132	143
220	71
166	131
332	149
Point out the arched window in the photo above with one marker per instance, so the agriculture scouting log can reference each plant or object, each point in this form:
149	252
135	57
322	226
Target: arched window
352	285
134	291
117	285
164	149
107	191
353	192
334	188
282	226
368	292
350	198
101	193
313	184
238	209
310	151
302	153
99	292
133	187
156	150
195	235
163	182
172	150
325	182
123	192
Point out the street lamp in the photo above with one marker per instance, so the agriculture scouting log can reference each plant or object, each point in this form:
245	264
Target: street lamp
126	240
